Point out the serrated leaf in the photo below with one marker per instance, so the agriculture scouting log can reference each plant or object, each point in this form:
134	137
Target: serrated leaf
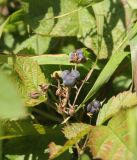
11	105
20	128
73	138
115	104
29	77
72	130
112	141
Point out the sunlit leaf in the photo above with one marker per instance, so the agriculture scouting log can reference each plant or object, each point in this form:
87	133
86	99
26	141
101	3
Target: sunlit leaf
49	59
115	104
11	105
16	16
72	130
29	77
132	3
38	44
132	123
133	48
72	18
20	128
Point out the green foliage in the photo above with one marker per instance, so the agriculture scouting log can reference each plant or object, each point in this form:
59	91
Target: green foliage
39	40
132	123
106	73
20	128
10	100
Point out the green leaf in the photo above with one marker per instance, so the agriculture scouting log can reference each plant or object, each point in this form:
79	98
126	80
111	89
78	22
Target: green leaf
38	44
28	77
1	143
132	3
111	141
84	157
34	145
73	138
132	126
10	100
74	18
106	73
20	128
17	157
99	14
115	104
133	48
72	130
49	59
16	16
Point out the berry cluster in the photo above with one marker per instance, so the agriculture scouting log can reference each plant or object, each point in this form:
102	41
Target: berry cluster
77	56
69	77
93	106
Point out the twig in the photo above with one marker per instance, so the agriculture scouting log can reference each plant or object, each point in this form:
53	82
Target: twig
85	80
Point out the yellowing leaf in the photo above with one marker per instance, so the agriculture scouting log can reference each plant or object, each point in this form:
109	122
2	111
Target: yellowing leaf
115	104
111	142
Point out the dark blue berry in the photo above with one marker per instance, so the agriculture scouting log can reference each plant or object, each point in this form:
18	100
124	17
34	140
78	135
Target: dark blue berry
69	80
64	73
75	74
73	57
93	110
80	54
77	56
93	106
89	106
81	57
96	104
